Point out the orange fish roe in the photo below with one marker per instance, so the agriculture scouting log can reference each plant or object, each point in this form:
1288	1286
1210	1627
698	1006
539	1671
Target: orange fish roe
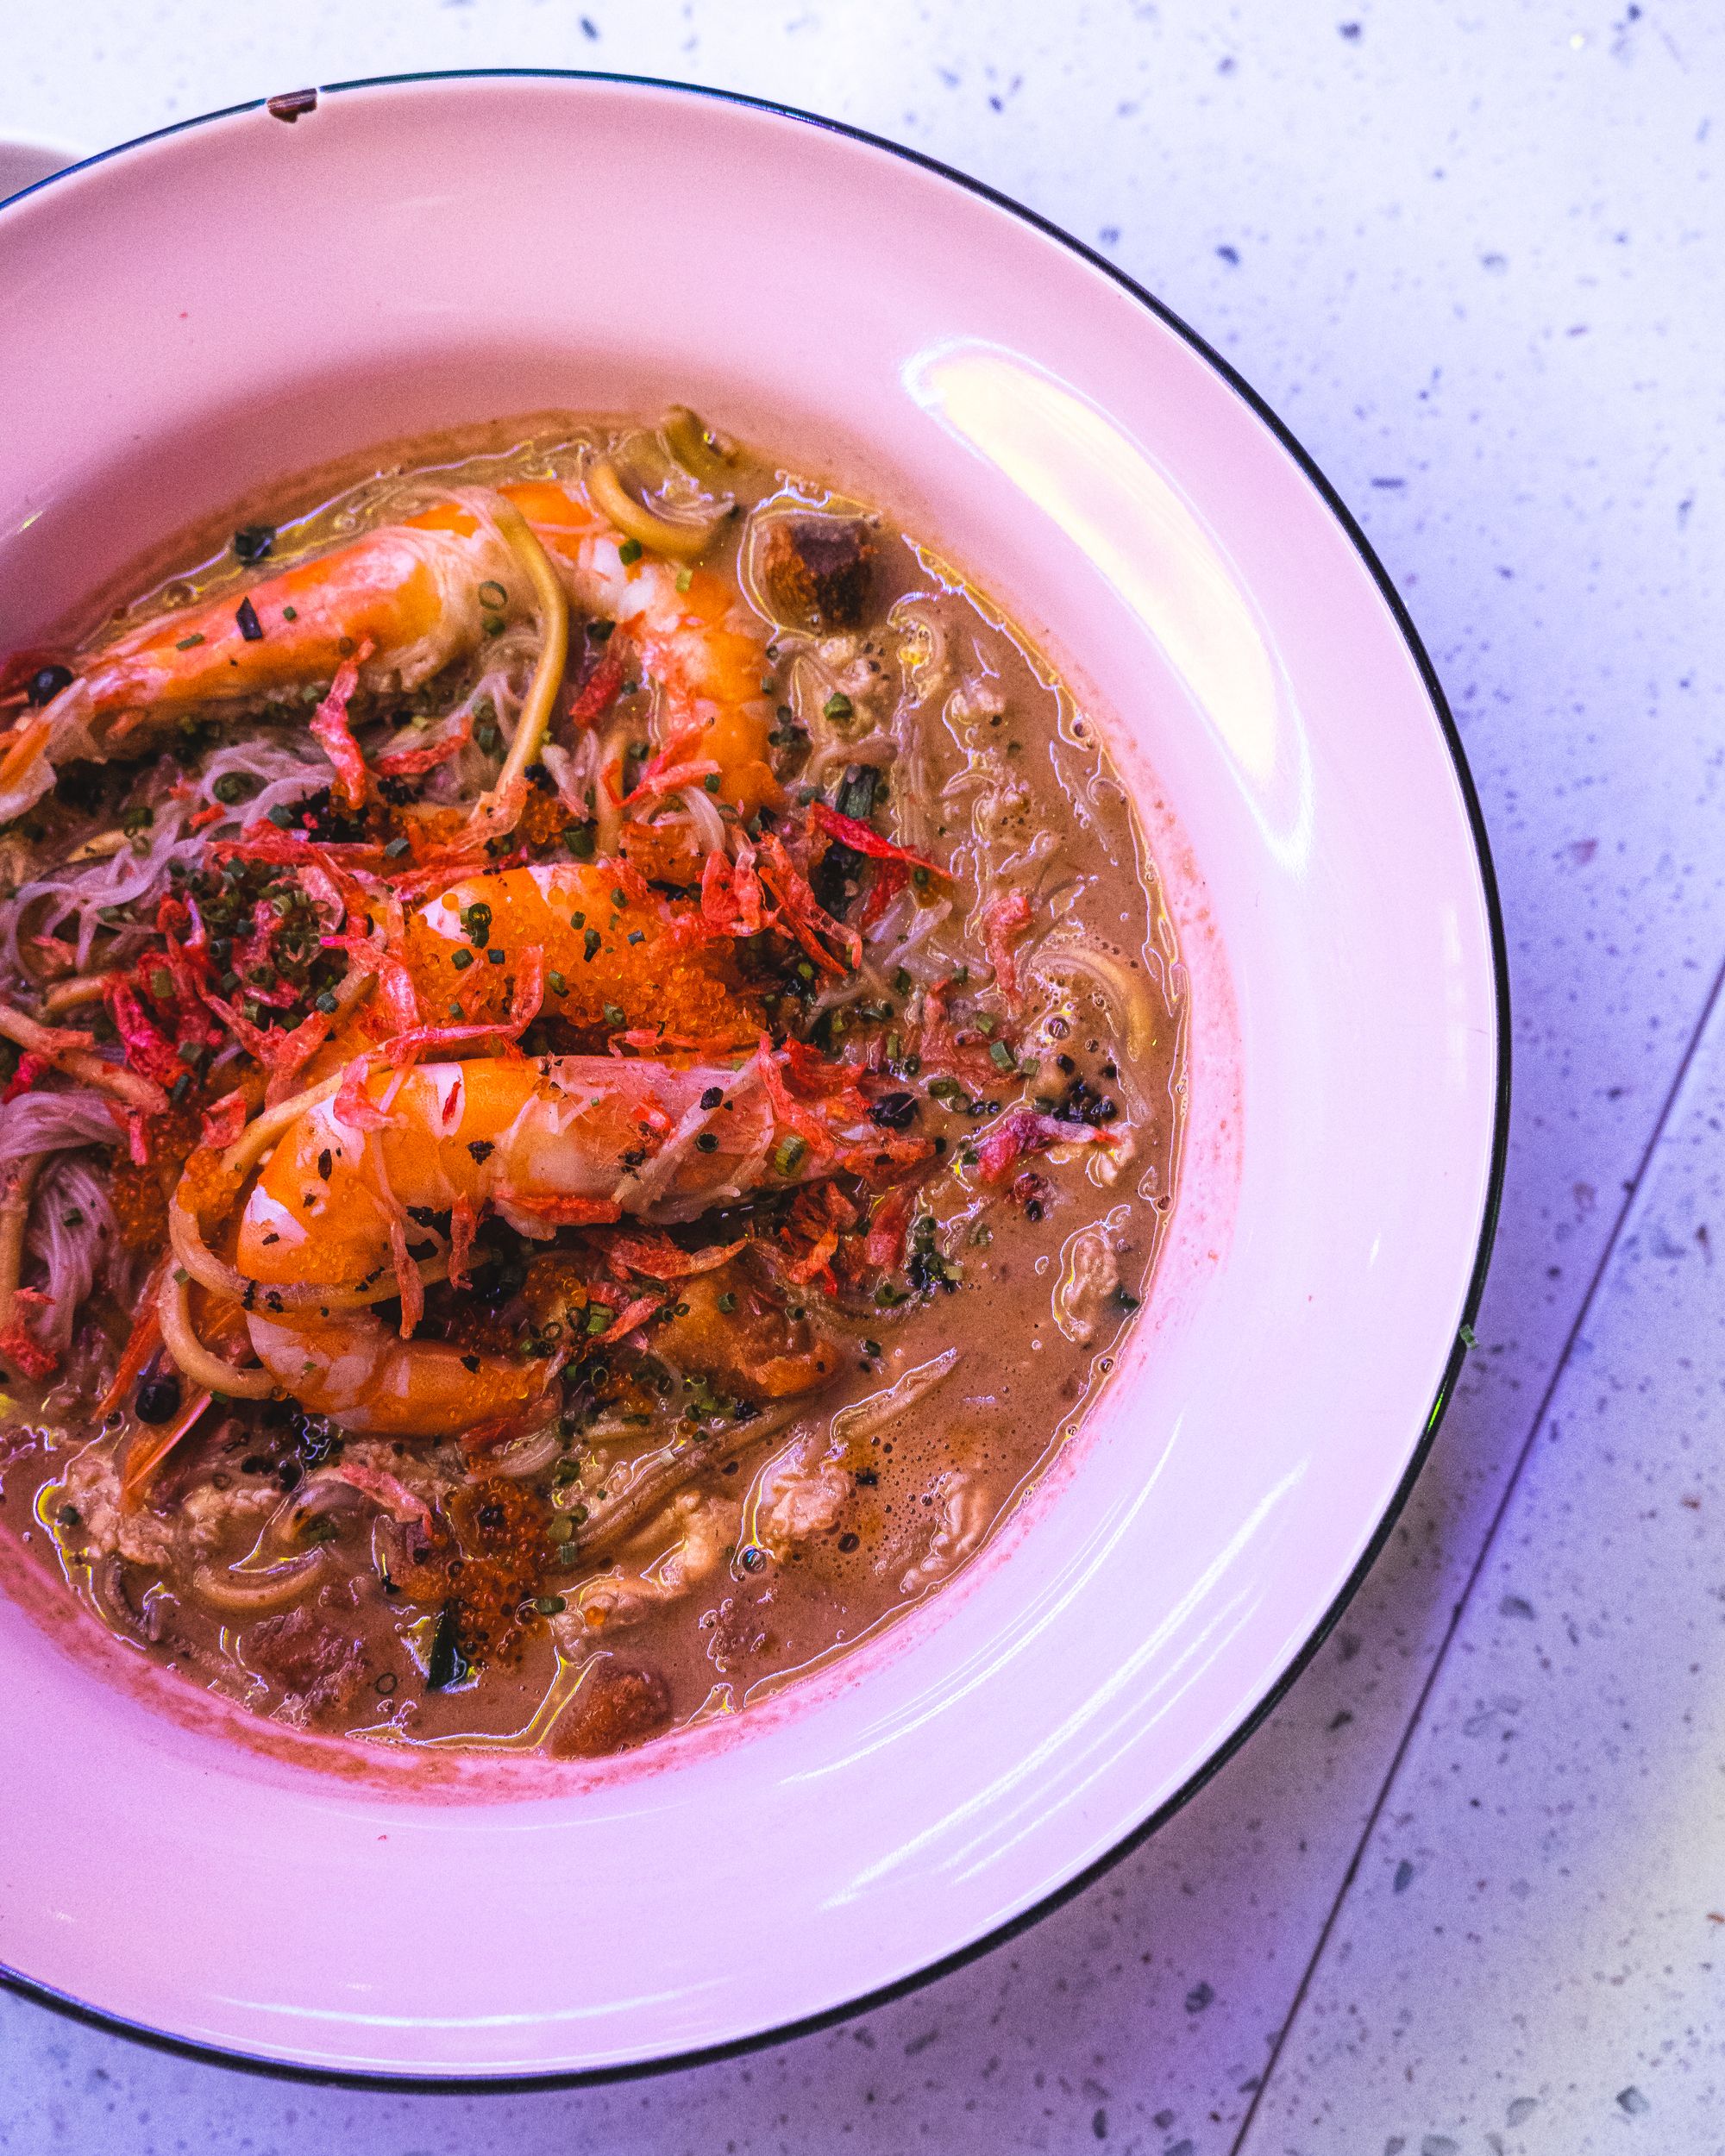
139	1209
543	818
206	1188
613	962
473	1326
664	853
500	1532
139	1195
553	1286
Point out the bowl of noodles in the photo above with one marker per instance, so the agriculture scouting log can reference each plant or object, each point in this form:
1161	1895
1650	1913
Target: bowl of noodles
752	1074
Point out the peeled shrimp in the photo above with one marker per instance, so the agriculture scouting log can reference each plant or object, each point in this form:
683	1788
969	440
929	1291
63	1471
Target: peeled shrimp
612	958
570	1140
421	592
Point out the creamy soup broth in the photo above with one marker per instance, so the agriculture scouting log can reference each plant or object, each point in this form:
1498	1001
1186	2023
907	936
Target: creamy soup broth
750	1046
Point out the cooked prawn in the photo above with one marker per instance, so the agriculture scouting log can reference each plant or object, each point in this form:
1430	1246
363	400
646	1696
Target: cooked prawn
615	956
572	1140
413	591
694	639
421	592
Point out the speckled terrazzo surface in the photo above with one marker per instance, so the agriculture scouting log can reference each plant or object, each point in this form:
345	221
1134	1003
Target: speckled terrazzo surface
1465	1890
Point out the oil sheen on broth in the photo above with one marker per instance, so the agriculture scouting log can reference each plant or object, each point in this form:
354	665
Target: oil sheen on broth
595	1076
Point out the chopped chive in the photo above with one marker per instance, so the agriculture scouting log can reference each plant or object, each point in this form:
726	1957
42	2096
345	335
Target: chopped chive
685	578
187	642
727	1301
496	957
559	986
629	552
787	1156
397	847
838	705
462	959
711	782
282	816
593	944
614	1015
290	613
1002	1057
327	1004
492	594
706	1142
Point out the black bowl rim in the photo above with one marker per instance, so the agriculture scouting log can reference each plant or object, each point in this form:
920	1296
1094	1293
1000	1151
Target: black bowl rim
901	1987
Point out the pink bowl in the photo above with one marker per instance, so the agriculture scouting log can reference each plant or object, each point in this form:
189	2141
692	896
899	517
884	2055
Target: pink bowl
240	297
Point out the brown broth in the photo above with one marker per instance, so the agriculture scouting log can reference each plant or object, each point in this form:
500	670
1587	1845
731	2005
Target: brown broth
997	771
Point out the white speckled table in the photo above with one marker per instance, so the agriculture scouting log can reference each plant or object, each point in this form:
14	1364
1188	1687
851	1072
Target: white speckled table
1465	1890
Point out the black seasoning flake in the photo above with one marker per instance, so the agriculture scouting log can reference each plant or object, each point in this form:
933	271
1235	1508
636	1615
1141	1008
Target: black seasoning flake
254	542
250	627
326	1164
480	1148
46	683
447	1665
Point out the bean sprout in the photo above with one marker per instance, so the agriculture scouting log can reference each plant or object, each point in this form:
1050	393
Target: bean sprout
194	1359
682	542
853	1425
240	1593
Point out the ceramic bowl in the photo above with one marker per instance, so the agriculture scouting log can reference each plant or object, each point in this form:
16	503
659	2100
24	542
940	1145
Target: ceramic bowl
247	295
